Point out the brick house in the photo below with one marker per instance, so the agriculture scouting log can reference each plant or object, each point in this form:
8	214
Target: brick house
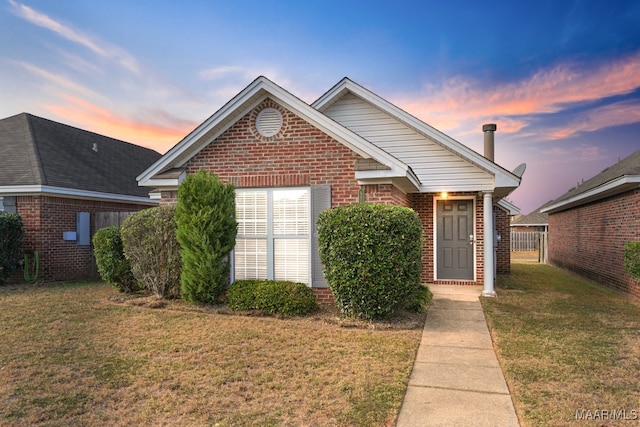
590	224
57	178
290	160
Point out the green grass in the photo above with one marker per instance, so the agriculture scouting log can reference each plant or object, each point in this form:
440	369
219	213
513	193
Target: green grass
76	354
565	345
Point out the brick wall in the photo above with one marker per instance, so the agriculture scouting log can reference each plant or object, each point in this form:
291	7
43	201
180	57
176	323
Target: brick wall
46	218
589	240
503	252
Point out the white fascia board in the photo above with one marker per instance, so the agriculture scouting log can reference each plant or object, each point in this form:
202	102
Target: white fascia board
509	207
503	177
163	182
387	176
28	190
615	186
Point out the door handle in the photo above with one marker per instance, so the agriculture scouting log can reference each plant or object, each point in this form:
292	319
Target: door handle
472	240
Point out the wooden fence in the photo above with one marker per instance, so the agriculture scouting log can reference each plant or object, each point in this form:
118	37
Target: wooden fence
531	241
106	219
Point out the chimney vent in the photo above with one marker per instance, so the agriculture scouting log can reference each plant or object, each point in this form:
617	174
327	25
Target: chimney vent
488	130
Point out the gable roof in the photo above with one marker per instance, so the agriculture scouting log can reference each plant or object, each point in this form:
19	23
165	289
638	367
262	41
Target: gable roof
535	218
621	177
381	162
39	155
503	180
163	171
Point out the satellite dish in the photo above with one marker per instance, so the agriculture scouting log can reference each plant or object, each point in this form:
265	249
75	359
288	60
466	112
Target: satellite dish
519	171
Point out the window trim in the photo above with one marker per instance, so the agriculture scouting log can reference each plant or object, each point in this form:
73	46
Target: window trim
270	237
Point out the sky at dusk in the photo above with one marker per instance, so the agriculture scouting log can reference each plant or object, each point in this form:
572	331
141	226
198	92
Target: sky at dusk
561	78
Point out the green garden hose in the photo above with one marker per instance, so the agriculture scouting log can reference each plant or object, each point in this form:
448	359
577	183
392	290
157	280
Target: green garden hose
36	268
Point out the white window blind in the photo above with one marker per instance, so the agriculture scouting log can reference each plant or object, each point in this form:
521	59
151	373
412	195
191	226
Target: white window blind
273	234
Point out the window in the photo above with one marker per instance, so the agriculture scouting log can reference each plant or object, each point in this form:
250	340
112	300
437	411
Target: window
273	239
1	204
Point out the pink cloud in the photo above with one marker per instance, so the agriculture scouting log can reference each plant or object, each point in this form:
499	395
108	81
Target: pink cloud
462	104
620	113
160	134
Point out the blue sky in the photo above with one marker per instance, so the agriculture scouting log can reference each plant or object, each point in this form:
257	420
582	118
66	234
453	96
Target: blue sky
560	78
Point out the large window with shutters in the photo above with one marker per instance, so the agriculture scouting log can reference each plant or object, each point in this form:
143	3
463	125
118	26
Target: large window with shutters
273	239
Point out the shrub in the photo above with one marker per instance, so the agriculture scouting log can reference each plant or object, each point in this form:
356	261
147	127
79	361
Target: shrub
206	220
241	295
11	235
632	259
113	266
371	255
273	297
150	245
285	298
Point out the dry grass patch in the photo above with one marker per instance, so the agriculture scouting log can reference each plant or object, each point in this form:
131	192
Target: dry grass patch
79	354
566	345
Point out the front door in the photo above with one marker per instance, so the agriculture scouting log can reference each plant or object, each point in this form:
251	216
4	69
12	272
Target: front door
455	239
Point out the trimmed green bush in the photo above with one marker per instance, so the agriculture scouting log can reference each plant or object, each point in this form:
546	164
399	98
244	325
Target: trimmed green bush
150	245
113	266
281	298
241	295
206	220
632	259
372	257
11	236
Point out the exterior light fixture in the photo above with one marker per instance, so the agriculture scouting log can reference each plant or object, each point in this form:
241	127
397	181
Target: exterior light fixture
444	194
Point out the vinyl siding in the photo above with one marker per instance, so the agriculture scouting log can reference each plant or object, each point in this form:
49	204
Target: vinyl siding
436	167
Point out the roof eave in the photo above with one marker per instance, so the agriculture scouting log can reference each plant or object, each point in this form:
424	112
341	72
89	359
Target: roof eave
29	190
610	188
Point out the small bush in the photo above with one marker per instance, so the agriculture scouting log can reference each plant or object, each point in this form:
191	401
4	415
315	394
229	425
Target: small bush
11	236
241	295
371	256
113	266
632	259
150	245
272	297
206	220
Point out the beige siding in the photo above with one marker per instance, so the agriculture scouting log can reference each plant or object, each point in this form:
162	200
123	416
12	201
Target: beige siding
437	168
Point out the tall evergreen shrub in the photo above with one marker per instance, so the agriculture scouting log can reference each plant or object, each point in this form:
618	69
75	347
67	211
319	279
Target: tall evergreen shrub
150	244
372	257
11	236
207	228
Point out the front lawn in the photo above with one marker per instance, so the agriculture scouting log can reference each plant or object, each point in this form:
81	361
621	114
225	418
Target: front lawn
73	354
570	349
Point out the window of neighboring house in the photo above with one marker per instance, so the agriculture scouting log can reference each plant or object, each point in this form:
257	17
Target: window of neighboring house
273	240
1	204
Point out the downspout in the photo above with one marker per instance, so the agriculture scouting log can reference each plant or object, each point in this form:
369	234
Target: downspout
489	226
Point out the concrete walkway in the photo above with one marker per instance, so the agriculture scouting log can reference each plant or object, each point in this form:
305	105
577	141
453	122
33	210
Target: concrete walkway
456	380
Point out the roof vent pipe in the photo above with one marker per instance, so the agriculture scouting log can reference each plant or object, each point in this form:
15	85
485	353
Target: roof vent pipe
488	130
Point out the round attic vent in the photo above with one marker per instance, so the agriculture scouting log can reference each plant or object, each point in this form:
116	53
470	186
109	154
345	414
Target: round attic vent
269	122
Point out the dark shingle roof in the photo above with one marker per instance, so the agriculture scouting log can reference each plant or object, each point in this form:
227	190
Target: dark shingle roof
37	151
627	167
534	218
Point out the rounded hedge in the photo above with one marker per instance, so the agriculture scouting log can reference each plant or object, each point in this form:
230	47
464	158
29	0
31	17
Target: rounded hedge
113	267
272	297
150	244
372	257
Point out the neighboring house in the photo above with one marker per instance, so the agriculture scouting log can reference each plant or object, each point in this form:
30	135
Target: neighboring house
589	225
57	178
535	221
289	161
